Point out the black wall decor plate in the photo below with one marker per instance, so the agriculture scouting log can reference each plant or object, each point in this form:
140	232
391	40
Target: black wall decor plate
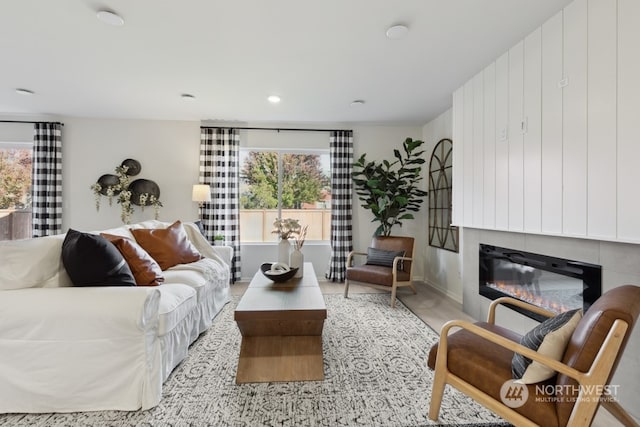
106	181
141	186
134	166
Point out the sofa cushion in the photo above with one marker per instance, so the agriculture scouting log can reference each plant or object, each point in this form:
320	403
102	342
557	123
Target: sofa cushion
192	278
168	246
176	303
145	269
43	252
549	338
91	260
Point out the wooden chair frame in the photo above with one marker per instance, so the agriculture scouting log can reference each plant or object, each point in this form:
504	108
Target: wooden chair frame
588	397
395	284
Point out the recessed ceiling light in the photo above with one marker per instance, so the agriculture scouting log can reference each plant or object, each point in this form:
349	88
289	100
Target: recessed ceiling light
357	103
110	18
397	32
274	99
22	91
187	96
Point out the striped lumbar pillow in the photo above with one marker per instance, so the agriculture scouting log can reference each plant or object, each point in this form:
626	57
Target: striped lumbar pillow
382	257
549	338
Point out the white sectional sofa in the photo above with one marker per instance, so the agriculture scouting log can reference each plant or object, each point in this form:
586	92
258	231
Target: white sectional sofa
65	348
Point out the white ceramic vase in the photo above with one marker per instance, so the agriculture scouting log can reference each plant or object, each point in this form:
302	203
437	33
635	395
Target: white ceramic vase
297	261
284	247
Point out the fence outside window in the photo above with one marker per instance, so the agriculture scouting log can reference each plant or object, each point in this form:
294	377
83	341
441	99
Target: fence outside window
256	224
15	224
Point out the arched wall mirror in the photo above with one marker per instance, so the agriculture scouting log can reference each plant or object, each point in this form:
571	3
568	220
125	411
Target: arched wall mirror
441	233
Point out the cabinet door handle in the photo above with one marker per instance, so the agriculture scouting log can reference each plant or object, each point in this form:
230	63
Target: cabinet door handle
524	125
503	134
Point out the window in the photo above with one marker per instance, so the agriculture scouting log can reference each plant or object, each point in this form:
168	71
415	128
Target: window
15	190
284	184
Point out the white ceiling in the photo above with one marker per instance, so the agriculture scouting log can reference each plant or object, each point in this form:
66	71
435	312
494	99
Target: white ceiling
231	54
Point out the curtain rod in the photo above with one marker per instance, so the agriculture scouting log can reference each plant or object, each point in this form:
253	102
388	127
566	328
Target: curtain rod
28	121
276	129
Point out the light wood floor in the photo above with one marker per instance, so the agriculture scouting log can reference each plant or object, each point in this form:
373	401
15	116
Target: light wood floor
430	305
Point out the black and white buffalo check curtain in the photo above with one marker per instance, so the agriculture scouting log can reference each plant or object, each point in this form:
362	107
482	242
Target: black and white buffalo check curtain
219	168
46	179
341	153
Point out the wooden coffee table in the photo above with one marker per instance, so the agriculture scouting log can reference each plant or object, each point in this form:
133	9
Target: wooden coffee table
281	326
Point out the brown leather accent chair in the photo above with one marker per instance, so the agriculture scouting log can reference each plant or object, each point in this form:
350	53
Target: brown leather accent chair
477	361
381	277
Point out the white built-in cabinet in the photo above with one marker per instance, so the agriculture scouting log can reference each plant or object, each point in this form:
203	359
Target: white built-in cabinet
457	179
628	114
551	127
502	142
547	137
601	119
574	120
489	147
468	152
515	138
478	150
532	132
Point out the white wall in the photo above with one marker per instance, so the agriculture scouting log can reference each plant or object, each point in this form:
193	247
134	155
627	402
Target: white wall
167	150
16	132
442	269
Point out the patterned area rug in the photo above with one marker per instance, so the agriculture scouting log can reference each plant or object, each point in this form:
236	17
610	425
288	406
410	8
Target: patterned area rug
375	375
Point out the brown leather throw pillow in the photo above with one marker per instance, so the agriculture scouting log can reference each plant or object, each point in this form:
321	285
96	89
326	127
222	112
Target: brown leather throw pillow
168	246
145	269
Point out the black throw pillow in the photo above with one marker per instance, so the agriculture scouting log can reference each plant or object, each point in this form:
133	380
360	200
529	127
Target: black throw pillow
92	260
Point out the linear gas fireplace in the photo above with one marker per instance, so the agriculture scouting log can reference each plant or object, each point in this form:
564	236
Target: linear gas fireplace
555	284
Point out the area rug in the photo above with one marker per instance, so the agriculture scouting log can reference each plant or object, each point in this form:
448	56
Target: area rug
375	375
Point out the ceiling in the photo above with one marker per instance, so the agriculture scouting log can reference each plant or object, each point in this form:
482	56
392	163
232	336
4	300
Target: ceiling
318	56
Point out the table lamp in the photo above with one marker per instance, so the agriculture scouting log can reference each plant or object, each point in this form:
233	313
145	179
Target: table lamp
201	193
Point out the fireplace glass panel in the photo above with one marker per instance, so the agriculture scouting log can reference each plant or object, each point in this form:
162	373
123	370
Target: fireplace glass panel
555	284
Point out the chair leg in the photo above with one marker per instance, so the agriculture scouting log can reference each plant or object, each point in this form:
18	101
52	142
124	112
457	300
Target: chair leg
413	288
346	288
617	411
437	391
393	296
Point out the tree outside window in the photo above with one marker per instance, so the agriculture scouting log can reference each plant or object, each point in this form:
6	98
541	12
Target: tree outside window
15	191
279	184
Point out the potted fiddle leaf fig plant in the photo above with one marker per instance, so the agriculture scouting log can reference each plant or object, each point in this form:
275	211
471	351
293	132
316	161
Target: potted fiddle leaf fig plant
389	189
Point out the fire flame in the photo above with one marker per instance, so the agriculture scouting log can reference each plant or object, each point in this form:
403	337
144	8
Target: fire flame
529	296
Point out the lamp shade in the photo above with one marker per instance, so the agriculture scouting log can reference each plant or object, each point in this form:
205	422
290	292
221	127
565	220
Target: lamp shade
201	193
